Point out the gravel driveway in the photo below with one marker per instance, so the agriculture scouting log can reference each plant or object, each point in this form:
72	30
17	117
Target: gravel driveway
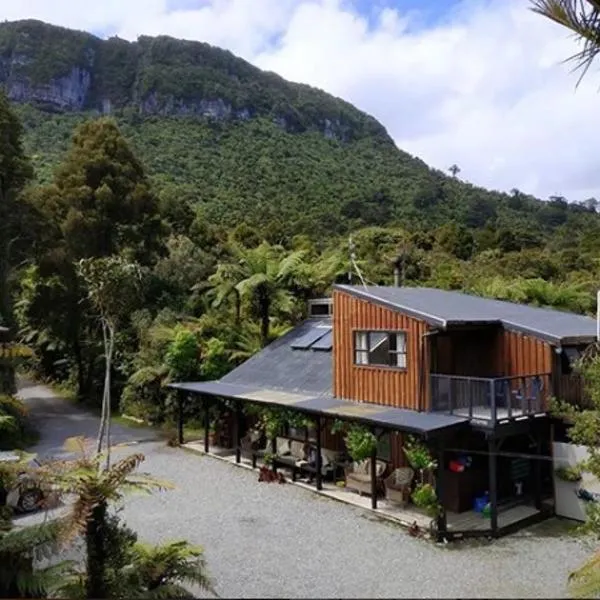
270	540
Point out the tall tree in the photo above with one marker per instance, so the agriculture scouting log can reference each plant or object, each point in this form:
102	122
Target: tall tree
113	287
100	204
454	170
15	171
264	276
581	17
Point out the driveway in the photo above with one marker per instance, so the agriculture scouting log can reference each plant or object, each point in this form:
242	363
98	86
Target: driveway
275	541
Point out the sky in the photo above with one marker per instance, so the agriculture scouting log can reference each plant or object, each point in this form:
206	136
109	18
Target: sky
477	83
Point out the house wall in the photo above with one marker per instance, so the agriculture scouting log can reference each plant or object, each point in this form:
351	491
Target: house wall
519	354
388	386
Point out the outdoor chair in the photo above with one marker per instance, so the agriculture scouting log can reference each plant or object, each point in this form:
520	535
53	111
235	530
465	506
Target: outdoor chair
397	485
358	476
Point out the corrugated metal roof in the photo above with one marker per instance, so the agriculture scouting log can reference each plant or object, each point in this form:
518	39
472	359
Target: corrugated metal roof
279	366
444	308
401	419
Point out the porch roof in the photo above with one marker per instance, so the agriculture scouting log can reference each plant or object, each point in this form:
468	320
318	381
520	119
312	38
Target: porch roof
443	308
326	405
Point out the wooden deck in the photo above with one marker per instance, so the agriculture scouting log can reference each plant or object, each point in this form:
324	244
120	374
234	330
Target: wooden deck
408	516
472	521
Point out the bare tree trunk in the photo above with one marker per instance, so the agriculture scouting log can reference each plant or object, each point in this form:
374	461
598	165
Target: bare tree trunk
106	381
111	347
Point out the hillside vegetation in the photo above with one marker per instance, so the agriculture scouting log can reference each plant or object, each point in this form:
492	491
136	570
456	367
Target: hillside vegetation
242	145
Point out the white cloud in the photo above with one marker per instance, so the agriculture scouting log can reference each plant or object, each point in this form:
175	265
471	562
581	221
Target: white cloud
484	87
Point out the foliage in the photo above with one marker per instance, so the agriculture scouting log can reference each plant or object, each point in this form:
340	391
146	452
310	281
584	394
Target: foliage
15	429
585	431
360	441
424	496
571	473
581	17
418	455
183	355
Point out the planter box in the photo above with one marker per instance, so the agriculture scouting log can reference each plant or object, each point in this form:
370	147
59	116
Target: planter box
567	504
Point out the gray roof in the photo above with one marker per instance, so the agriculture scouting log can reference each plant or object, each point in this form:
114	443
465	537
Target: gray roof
281	367
424	423
442	308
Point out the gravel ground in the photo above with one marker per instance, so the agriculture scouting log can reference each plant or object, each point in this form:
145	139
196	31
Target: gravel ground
269	540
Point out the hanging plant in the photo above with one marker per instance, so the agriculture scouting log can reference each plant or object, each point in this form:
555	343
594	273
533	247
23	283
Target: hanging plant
418	455
360	441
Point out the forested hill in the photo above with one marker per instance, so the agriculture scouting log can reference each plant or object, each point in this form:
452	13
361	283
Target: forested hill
241	144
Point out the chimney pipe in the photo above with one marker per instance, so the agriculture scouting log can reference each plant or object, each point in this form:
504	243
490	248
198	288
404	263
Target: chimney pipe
396	276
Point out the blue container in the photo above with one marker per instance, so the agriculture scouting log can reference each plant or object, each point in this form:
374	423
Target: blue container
480	503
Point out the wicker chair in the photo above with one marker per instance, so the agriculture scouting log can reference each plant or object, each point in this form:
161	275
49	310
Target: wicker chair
358	476
397	485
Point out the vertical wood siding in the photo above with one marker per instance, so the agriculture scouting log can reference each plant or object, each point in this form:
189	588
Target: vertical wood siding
379	385
519	354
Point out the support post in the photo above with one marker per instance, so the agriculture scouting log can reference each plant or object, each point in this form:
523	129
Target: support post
493	401
319	461
374	478
206	425
180	403
442	524
493	475
238	437
537	471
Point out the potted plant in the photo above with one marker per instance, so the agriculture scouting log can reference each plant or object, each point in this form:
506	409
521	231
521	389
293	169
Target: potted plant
360	441
570	473
424	497
419	458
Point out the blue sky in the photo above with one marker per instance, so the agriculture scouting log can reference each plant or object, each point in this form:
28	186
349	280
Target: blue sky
485	88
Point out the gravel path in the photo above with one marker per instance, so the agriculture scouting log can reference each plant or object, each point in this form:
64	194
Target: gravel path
269	540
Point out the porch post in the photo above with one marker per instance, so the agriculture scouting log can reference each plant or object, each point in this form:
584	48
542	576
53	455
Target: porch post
493	486
537	471
374	477
206	425
442	526
319	461
180	402
237	428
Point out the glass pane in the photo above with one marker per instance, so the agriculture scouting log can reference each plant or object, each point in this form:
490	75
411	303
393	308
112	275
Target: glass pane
379	348
384	448
401	342
361	357
399	360
360	340
376	338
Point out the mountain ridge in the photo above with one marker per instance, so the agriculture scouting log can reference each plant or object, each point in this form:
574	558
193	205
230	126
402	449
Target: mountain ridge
246	146
69	70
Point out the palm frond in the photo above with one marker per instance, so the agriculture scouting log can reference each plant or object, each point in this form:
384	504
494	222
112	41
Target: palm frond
582	18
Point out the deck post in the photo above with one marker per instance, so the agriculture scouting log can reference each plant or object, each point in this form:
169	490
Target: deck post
180	403
237	428
493	400
537	471
206	425
319	461
442	525
493	475
374	477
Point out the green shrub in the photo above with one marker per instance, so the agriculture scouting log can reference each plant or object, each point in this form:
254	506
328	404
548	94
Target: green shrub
15	429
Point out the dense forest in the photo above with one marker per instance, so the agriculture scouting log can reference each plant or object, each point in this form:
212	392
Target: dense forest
232	216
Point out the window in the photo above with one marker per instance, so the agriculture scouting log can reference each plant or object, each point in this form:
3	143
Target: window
384	447
380	348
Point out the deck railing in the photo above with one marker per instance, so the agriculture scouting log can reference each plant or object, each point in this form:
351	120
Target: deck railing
490	399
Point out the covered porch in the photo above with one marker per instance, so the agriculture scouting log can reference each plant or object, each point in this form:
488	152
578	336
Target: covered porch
438	430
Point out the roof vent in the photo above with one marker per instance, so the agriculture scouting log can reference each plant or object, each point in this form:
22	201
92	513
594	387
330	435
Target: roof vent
321	307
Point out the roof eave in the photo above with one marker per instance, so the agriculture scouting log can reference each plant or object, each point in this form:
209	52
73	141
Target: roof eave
358	293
